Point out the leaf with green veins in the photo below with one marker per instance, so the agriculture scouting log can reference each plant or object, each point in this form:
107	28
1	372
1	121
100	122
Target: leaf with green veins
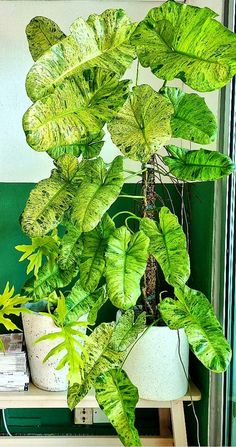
126	259
42	33
98	190
102	41
200	165
67	166
80	302
168	246
186	42
89	147
78	108
127	330
92	262
118	397
142	125
71	248
11	305
100	359
192	119
193	312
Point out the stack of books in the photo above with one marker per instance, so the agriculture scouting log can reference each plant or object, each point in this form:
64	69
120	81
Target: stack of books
14	373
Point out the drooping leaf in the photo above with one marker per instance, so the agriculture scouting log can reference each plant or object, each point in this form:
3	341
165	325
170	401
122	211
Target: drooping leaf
98	190
101	358
200	165
192	119
102	41
78	107
50	198
92	263
142	125
71	248
195	314
126	259
80	302
11	305
42	33
118	397
127	330
186	42
168	246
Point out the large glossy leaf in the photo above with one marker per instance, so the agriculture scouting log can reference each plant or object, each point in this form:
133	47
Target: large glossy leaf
127	330
142	126
186	42
78	107
89	147
168	246
99	189
50	198
102	41
200	165
101	358
118	397
11	304
42	33
93	257
126	259
80	302
195	314
192	119
71	248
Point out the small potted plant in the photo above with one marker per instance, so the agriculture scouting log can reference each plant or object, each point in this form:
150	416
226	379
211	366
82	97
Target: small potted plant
76	89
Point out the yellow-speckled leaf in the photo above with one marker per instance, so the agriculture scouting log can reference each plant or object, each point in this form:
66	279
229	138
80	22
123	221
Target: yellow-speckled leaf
42	33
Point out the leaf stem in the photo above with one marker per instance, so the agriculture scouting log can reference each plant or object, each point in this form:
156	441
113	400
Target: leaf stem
126	212
130	196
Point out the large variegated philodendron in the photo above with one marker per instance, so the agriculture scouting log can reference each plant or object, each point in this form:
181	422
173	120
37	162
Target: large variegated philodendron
76	88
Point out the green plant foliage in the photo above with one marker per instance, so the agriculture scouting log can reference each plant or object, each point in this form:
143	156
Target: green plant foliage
126	259
192	119
34	252
42	33
71	248
50	198
89	147
142	126
98	190
168	246
80	302
10	305
200	165
195	314
77	108
186	42
101	358
101	41
127	330
118	397
92	263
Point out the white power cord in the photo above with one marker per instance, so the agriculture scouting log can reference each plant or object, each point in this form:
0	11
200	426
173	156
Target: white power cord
5	423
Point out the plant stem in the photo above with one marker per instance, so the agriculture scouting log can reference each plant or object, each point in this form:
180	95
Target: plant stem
126	212
130	196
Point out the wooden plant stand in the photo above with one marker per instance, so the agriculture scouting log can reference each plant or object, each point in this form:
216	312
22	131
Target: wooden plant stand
171	413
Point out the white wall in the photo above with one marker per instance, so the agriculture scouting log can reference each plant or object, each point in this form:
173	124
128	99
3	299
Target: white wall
19	163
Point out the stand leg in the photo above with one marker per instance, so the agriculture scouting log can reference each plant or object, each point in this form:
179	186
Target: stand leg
178	424
164	421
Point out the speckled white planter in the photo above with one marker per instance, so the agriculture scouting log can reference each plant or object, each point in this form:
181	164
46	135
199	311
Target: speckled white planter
154	365
43	375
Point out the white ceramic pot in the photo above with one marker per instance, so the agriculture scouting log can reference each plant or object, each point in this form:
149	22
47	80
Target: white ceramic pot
154	365
43	375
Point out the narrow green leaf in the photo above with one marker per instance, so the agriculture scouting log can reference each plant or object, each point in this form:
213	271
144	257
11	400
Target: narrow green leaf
42	33
11	305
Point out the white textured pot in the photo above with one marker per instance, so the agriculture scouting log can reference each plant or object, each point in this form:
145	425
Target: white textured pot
43	375
154	365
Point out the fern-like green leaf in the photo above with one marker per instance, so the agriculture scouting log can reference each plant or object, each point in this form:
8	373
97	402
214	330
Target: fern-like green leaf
11	305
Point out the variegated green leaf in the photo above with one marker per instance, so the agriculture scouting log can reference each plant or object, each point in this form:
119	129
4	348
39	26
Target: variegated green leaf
192	119
42	33
186	42
93	256
200	165
102	41
118	397
126	259
193	312
101	358
98	190
78	107
168	246
80	302
89	147
127	330
71	248
142	126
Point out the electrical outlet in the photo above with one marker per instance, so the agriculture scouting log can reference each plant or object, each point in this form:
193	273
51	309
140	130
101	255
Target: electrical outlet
83	416
99	416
